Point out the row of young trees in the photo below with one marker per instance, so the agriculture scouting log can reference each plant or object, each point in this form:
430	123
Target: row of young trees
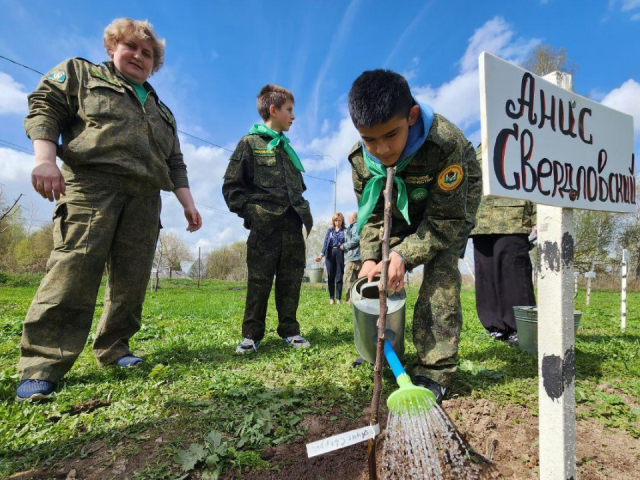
25	246
230	261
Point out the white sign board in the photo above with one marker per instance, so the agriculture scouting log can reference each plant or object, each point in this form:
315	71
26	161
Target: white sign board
550	146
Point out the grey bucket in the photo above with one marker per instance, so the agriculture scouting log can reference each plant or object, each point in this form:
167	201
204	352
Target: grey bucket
315	275
527	325
365	302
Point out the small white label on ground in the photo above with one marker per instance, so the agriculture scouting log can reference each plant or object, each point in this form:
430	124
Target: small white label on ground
342	440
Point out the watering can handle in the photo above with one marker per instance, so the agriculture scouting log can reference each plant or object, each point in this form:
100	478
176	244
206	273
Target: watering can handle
393	360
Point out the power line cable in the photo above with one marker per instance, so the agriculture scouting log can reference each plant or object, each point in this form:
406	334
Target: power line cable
318	178
20	64
180	131
202	205
15	146
204	141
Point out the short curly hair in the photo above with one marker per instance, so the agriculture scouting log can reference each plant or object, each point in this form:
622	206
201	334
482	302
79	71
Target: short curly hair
272	95
142	29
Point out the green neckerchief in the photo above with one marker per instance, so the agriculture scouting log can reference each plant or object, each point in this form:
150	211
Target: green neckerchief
372	190
140	91
278	138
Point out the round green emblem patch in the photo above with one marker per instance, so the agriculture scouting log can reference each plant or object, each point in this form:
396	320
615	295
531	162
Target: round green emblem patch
419	194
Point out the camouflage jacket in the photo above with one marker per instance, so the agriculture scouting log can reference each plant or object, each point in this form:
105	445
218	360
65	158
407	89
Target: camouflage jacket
503	215
444	186
260	186
105	127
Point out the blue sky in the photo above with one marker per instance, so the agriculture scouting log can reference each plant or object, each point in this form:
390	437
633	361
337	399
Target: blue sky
220	53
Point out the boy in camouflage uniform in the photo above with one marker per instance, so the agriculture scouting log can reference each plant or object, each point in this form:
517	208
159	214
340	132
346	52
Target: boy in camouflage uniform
436	195
263	185
502	263
120	148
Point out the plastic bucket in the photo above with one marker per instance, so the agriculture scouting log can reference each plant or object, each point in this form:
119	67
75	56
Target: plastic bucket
527	325
315	275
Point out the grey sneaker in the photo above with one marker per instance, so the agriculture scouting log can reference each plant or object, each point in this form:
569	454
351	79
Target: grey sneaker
512	340
247	346
297	341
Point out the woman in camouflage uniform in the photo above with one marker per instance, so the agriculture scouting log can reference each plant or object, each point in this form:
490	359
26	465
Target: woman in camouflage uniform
120	148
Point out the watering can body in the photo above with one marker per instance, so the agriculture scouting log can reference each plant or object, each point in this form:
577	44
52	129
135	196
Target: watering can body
365	302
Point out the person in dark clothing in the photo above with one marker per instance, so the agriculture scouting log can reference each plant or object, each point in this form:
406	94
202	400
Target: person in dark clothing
334	256
502	264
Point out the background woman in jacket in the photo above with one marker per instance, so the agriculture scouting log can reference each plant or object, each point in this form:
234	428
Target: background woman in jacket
334	256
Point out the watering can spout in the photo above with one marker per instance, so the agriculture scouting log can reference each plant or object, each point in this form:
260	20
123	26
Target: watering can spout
409	397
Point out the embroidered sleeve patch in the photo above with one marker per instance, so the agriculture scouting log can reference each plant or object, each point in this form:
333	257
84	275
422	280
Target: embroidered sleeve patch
450	178
57	75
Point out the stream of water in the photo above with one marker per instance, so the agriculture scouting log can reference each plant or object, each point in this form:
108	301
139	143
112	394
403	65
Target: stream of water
422	444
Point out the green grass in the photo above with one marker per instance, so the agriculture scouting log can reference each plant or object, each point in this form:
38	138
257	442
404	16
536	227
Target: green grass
219	411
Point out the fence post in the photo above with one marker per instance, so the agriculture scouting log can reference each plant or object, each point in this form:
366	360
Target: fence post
623	296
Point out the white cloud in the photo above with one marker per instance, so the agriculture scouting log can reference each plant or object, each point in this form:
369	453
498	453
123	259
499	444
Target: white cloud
417	20
335	145
16	167
626	98
458	99
13	96
337	45
628	5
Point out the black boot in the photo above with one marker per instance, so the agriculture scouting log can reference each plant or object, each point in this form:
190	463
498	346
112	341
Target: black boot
438	390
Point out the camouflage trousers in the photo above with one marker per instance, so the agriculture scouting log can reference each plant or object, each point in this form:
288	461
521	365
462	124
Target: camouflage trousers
350	276
437	319
92	226
280	252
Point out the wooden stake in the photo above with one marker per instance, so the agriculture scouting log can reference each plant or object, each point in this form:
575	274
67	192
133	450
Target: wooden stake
384	277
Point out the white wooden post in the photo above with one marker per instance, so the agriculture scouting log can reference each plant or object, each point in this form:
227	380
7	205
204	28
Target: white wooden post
471	270
575	291
623	272
556	356
589	276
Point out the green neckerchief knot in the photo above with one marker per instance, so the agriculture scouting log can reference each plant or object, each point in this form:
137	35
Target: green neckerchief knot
279	138
372	190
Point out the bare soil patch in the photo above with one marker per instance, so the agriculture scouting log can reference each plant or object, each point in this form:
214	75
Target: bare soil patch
504	435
